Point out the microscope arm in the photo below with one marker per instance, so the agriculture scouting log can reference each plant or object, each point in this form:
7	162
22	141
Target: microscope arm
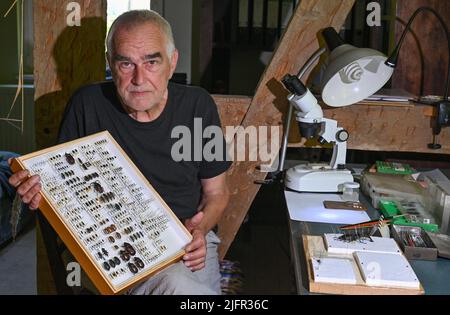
331	133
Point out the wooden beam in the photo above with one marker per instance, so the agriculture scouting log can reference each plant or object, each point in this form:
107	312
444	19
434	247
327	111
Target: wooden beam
65	58
296	46
231	108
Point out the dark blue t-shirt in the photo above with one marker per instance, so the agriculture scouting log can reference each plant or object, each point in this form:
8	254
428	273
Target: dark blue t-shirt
96	108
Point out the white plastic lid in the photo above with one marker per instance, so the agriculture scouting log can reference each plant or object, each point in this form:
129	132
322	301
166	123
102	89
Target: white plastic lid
351	185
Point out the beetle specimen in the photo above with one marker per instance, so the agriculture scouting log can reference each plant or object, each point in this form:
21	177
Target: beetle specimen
98	188
133	268
139	262
70	159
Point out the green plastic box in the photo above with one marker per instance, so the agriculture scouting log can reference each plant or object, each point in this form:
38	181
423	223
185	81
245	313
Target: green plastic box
390	209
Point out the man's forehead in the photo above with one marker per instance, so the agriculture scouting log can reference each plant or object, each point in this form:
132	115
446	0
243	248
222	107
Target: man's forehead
119	56
136	41
144	33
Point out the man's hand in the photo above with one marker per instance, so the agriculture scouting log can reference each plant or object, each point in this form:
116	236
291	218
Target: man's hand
195	255
213	202
27	187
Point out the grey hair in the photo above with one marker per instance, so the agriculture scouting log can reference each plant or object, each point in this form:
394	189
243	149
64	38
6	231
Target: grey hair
139	17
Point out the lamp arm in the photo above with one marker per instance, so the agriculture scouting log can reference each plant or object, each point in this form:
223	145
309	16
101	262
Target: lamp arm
310	61
392	60
287	124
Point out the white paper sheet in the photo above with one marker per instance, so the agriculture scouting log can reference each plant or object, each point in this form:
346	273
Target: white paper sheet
309	207
387	270
333	270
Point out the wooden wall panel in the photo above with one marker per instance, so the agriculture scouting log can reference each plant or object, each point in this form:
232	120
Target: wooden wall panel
433	43
389	128
65	58
372	127
296	46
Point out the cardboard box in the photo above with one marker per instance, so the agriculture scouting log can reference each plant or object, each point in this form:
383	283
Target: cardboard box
413	250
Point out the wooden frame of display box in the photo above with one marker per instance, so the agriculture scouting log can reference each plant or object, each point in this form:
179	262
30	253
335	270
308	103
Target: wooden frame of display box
105	211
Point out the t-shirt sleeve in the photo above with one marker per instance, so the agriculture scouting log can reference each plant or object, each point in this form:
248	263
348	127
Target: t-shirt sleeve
215	160
72	123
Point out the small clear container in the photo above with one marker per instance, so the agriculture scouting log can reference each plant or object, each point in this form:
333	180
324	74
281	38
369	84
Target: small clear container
350	191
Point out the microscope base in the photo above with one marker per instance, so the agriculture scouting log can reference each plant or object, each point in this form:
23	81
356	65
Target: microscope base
317	178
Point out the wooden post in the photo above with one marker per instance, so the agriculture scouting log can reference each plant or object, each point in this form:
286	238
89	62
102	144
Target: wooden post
296	46
65	58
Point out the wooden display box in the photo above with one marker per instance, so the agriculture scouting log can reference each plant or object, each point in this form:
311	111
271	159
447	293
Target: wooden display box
105	211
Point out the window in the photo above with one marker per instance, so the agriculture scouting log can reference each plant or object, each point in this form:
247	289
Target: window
117	7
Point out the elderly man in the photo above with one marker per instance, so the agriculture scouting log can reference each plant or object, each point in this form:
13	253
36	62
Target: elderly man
140	109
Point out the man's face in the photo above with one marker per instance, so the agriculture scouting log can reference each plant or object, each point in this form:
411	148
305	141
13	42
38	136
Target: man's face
141	67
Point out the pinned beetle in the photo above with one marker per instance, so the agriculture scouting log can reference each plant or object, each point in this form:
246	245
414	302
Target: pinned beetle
70	159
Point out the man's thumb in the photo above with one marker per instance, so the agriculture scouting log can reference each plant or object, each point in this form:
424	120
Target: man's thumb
194	221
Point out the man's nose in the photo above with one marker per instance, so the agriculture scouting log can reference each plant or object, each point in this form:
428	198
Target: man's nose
138	76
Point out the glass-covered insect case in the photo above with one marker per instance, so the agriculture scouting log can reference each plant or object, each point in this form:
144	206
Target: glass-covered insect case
109	216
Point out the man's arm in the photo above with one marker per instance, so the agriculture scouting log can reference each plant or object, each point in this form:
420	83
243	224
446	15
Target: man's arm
215	197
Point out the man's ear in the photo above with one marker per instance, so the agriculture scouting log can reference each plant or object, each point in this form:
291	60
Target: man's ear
173	62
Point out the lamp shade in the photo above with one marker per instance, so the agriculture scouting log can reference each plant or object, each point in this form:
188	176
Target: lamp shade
353	74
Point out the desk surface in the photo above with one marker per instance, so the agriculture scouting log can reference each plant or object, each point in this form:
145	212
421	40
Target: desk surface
434	275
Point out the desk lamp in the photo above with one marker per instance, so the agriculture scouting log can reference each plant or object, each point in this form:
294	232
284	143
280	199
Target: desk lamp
352	74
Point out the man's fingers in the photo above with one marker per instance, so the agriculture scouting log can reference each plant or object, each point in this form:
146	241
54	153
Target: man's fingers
195	264
27	185
195	244
31	193
195	250
28	188
194	256
34	204
18	177
198	267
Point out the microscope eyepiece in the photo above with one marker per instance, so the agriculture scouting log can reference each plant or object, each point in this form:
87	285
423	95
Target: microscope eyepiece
293	84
